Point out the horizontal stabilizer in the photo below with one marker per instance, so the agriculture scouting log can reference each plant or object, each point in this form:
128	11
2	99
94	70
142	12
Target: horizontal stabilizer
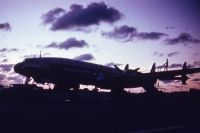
136	69
118	69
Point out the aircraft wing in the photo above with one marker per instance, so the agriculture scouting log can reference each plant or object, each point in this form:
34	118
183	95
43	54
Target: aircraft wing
174	74
166	75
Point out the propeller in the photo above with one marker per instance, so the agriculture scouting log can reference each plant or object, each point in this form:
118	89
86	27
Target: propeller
126	69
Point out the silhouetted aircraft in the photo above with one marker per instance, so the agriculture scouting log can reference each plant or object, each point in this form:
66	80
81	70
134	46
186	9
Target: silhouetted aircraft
68	74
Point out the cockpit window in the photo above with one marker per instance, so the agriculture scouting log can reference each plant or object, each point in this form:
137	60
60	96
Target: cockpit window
28	60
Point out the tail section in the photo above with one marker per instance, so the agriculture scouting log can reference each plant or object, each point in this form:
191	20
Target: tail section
184	77
184	66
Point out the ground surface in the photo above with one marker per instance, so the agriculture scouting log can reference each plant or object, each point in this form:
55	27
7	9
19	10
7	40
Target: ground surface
92	112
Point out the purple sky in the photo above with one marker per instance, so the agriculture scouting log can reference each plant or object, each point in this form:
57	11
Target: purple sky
138	32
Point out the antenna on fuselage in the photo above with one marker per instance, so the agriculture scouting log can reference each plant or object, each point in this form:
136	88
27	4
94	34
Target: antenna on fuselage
40	54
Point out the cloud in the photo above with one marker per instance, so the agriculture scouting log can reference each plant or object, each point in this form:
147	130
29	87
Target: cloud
84	57
111	64
11	78
175	65
2	50
150	35
123	32
196	63
170	27
4	60
196	79
2	76
184	38
16	79
6	67
67	44
127	33
178	65
52	15
79	16
173	54
158	54
5	26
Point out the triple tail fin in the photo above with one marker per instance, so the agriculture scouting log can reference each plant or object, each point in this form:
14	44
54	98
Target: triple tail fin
184	77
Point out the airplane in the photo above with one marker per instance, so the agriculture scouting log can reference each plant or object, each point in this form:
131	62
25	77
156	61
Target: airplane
66	74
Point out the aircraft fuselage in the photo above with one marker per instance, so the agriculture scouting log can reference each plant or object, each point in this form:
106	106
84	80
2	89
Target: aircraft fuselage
71	72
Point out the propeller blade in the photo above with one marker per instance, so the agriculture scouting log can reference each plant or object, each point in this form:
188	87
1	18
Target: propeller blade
118	69
126	67
136	69
27	80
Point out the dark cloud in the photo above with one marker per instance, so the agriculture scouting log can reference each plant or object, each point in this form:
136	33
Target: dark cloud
150	35
111	64
169	81
123	32
8	50
5	26
184	38
196	54
196	79
178	65
69	43
51	15
158	54
2	77
196	63
173	54
175	66
6	67
190	66
84	57
78	16
4	60
126	33
170	27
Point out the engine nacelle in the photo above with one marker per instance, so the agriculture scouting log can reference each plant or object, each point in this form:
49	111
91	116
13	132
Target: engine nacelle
183	79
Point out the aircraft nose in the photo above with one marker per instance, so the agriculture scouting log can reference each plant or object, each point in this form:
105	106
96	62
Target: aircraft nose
18	67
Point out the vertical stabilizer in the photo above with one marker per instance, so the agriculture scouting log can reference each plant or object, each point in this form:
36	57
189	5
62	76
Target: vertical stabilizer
184	77
184	66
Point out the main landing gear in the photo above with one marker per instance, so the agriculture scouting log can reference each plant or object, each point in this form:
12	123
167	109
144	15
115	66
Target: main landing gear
71	90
